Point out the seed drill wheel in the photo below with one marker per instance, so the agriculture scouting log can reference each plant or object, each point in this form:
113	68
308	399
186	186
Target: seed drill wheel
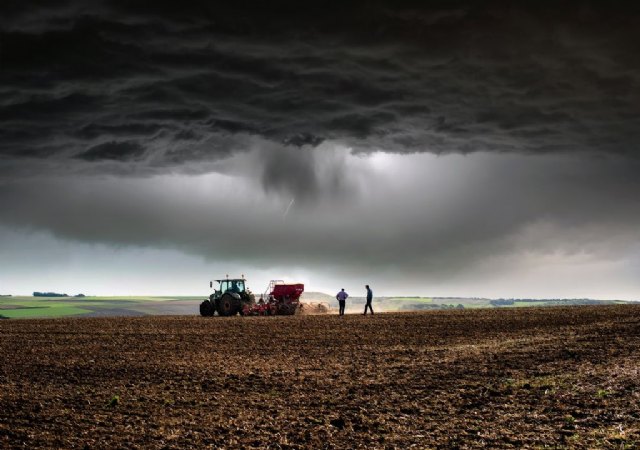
287	309
207	308
247	302
228	305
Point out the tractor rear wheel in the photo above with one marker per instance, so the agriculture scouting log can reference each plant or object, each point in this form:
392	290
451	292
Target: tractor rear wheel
228	305
207	308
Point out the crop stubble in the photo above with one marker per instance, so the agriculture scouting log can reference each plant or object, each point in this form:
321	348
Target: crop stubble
470	379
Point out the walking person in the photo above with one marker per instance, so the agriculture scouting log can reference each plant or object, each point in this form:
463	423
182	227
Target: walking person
369	300
342	297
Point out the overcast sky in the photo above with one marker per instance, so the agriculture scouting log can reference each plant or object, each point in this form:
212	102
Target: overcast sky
434	148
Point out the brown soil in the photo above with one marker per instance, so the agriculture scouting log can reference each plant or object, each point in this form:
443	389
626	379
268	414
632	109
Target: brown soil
532	378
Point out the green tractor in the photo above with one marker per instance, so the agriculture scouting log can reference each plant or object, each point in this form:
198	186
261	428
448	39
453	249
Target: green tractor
229	299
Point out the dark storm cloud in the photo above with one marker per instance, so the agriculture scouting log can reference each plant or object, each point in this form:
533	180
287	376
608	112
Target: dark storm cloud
440	77
118	151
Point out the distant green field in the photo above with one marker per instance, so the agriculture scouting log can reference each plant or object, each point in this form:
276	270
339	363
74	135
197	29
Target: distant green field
429	303
56	311
410	299
528	304
50	307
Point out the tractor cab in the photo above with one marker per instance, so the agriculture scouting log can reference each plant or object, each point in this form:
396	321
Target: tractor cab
236	286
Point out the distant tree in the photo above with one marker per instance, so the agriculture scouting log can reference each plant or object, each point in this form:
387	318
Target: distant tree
79	295
48	294
501	302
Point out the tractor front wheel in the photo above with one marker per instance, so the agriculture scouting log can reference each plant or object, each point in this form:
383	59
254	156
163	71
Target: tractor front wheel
207	309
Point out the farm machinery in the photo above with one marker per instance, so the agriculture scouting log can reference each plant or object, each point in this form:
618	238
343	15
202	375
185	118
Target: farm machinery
232	297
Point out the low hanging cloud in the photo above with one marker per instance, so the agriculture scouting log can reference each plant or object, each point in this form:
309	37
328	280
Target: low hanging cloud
461	211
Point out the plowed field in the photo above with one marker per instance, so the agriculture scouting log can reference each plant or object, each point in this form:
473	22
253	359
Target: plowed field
555	377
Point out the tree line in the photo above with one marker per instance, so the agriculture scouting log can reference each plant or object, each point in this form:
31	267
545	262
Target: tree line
53	294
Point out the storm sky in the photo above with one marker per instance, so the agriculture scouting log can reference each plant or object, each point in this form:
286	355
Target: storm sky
433	148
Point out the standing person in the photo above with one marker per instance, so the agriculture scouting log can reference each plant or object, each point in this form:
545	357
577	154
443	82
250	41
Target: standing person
369	299
342	297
